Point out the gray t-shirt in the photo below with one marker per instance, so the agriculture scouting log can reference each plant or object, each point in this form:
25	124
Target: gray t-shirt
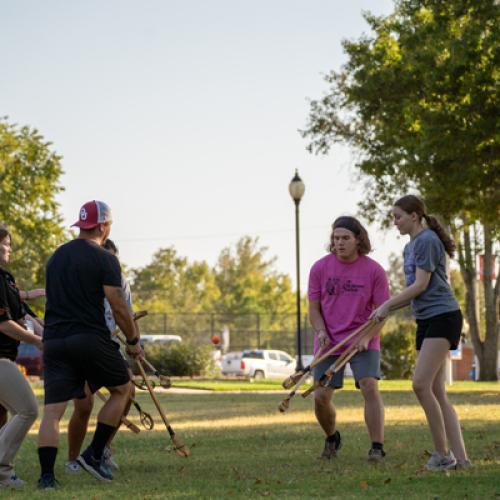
427	252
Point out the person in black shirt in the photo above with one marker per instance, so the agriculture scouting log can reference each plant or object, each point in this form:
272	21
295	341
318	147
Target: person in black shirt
77	344
15	392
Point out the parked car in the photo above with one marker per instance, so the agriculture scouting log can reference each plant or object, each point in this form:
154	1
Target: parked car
258	364
31	358
160	339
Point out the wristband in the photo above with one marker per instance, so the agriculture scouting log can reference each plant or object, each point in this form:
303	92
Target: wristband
134	341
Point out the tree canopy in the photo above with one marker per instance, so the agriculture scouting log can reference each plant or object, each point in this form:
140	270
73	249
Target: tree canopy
30	174
418	100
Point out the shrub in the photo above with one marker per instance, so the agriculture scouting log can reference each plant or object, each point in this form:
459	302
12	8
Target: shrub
398	350
182	359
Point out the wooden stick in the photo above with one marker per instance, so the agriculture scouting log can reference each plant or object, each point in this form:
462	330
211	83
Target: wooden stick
124	420
350	352
179	447
287	383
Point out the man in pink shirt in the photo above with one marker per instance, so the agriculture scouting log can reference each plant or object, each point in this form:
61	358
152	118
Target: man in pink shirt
345	287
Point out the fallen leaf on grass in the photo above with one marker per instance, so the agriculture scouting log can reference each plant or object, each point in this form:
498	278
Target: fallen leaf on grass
387	481
258	481
427	453
265	493
363	485
181	469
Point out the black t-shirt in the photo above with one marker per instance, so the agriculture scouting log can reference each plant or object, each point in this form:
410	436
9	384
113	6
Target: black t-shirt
11	308
75	276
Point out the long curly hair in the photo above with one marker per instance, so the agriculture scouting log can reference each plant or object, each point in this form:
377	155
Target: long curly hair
353	225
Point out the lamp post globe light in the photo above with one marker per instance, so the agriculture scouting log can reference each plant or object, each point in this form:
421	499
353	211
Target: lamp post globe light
297	189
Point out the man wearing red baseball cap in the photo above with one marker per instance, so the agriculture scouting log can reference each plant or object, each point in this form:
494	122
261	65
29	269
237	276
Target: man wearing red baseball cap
77	347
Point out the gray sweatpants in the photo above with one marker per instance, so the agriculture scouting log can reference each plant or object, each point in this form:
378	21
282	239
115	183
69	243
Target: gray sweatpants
17	396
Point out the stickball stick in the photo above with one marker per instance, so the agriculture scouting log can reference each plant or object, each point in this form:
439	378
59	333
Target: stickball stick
179	447
292	379
125	421
338	364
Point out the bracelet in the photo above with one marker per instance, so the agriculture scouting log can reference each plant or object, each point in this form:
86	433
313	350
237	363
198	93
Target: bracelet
134	341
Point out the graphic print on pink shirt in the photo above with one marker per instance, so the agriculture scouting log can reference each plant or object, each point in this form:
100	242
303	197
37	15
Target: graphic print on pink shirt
348	292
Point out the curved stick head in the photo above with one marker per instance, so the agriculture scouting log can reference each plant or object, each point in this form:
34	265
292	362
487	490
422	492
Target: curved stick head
293	379
284	405
147	421
179	447
165	381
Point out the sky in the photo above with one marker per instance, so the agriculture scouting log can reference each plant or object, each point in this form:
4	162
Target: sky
184	115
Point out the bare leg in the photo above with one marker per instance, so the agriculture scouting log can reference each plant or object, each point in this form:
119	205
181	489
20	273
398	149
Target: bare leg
48	434
429	363
77	427
451	422
113	409
125	413
324	409
374	409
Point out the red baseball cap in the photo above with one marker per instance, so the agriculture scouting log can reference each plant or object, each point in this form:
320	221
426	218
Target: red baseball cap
92	213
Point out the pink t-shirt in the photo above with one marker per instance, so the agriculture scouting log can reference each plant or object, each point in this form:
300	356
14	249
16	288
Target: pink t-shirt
348	292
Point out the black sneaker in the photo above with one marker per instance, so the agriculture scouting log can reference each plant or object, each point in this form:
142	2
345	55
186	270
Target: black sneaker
47	482
332	446
94	466
376	455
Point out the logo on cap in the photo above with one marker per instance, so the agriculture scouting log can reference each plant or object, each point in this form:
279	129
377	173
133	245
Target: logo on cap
83	214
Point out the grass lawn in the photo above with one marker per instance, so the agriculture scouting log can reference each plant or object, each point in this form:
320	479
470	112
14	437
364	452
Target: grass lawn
243	447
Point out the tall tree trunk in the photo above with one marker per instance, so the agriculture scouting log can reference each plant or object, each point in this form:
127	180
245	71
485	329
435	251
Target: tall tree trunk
467	261
489	364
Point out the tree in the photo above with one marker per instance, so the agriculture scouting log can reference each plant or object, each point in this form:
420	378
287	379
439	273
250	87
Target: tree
171	284
418	100
249	284
29	180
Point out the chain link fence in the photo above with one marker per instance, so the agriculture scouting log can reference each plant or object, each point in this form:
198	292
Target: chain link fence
236	331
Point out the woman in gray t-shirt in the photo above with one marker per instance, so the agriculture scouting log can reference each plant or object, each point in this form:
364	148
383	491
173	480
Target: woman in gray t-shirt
439	325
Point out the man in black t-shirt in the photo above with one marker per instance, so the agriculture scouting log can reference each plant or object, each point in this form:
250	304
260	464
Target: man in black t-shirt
77	344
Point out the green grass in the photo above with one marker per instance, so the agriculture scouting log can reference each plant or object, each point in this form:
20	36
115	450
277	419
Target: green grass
242	447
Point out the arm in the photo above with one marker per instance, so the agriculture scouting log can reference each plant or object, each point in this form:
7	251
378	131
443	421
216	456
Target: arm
121	313
17	332
318	323
32	294
422	279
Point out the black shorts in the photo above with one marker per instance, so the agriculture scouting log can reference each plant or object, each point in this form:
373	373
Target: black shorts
447	326
70	362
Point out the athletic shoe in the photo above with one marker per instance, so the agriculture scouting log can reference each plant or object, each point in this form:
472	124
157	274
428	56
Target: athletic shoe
463	464
375	455
331	447
94	466
441	462
47	482
108	459
72	467
13	482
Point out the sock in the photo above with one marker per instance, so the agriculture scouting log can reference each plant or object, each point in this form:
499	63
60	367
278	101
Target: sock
47	457
101	436
334	438
377	446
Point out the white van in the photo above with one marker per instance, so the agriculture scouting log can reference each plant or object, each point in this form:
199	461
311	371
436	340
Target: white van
160	339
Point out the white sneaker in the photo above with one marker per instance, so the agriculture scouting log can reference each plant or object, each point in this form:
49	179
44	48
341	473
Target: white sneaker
72	467
108	459
441	462
13	482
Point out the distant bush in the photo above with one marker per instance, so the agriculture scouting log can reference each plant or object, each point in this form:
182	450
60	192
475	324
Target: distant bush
182	359
398	350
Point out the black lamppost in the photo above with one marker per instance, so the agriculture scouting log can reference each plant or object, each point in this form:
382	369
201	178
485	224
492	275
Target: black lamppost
296	189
